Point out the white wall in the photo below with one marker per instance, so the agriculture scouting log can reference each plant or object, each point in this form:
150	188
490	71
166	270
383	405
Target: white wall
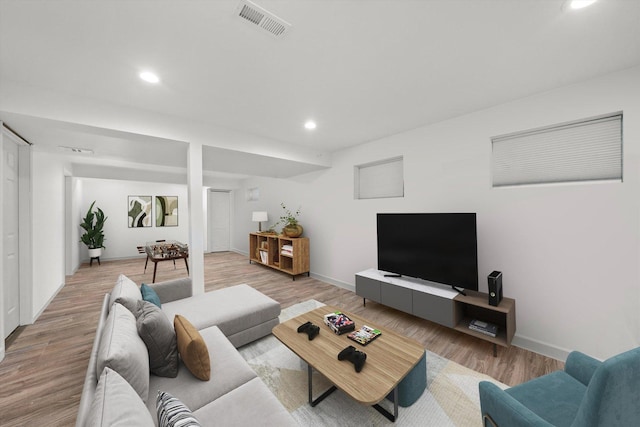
48	232
569	253
112	197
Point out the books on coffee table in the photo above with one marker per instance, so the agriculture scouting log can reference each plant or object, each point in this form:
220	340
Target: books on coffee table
339	322
364	335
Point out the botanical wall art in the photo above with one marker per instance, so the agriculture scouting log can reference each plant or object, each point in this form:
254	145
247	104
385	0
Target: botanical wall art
139	211
166	211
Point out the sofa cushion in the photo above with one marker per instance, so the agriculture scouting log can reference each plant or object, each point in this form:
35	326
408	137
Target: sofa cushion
173	413
251	404
148	294
122	350
233	310
125	288
116	403
192	348
229	370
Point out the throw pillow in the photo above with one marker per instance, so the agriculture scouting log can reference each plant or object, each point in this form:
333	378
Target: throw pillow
130	304
122	350
115	402
124	287
156	331
158	335
192	348
173	413
148	294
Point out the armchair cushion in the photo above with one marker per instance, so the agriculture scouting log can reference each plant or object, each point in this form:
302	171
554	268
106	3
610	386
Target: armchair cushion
555	397
505	410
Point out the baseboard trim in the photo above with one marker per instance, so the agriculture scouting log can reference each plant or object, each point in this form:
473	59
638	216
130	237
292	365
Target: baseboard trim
540	347
2	354
334	282
44	307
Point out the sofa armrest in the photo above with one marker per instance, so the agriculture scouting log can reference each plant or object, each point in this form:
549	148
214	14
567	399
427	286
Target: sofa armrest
500	409
581	367
172	290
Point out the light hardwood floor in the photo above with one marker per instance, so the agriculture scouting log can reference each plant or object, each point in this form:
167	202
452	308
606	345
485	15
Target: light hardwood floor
43	371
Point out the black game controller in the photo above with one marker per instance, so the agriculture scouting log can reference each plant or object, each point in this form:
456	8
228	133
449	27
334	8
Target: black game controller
354	356
310	329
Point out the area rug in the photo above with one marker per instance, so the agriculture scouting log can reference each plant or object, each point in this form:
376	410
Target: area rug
451	397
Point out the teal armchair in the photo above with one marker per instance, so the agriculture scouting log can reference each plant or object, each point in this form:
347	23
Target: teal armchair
588	393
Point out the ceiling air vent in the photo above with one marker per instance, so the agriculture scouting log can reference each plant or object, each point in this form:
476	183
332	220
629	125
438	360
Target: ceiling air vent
254	14
76	149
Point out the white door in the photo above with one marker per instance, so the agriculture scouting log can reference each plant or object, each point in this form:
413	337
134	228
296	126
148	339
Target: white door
219	220
11	266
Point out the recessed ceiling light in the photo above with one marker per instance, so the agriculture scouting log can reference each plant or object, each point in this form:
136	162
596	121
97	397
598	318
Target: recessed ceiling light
579	4
310	124
150	77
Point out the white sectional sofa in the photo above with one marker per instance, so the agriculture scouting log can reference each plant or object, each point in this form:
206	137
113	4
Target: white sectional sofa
119	391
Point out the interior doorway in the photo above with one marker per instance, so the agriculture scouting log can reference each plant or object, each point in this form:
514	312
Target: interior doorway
219	221
10	236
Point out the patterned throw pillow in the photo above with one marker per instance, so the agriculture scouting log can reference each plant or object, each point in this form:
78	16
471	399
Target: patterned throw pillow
173	413
148	294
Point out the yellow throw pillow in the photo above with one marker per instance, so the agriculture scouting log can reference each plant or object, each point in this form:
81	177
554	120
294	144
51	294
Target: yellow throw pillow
192	348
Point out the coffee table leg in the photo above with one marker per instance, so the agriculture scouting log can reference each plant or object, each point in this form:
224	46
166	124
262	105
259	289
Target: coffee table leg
323	395
386	413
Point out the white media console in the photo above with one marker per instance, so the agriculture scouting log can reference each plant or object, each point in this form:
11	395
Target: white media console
440	304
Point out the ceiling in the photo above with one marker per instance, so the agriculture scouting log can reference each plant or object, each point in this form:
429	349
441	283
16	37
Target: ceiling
362	69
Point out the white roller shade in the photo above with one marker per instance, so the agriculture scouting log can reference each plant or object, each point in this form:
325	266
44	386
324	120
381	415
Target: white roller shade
380	179
587	150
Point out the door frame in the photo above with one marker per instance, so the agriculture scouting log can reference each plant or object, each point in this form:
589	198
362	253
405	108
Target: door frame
7	136
209	227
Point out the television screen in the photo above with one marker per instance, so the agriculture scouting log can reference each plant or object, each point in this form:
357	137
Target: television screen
439	247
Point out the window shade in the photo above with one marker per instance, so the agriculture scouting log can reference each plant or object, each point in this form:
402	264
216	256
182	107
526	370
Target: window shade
380	179
586	150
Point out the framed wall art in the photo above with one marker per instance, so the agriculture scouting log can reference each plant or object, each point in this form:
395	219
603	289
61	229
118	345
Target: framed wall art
139	214
166	211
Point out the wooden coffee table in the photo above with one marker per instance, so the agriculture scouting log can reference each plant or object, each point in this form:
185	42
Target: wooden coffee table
390	357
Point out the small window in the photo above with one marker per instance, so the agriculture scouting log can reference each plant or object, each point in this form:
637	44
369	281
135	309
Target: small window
379	179
585	150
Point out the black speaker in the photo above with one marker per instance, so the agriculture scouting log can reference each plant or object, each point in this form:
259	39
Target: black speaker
495	288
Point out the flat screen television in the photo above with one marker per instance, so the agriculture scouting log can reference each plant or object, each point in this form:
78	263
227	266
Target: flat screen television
438	247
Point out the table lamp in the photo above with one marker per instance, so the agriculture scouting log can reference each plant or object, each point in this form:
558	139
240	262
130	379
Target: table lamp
259	217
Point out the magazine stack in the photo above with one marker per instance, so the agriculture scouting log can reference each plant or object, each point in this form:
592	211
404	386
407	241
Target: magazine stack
484	327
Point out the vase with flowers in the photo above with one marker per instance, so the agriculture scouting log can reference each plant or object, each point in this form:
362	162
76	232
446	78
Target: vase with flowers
291	227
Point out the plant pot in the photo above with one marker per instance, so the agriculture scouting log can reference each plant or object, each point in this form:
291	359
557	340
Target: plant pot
292	230
95	253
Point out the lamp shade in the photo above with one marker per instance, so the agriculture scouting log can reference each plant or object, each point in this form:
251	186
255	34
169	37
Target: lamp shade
259	216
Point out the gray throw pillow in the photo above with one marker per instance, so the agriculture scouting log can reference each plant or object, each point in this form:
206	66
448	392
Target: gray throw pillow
126	288
115	402
122	350
160	338
158	335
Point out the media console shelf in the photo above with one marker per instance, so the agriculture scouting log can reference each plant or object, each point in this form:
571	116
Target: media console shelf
440	304
267	249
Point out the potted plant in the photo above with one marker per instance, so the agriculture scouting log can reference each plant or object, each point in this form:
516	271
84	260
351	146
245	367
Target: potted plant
290	220
93	237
